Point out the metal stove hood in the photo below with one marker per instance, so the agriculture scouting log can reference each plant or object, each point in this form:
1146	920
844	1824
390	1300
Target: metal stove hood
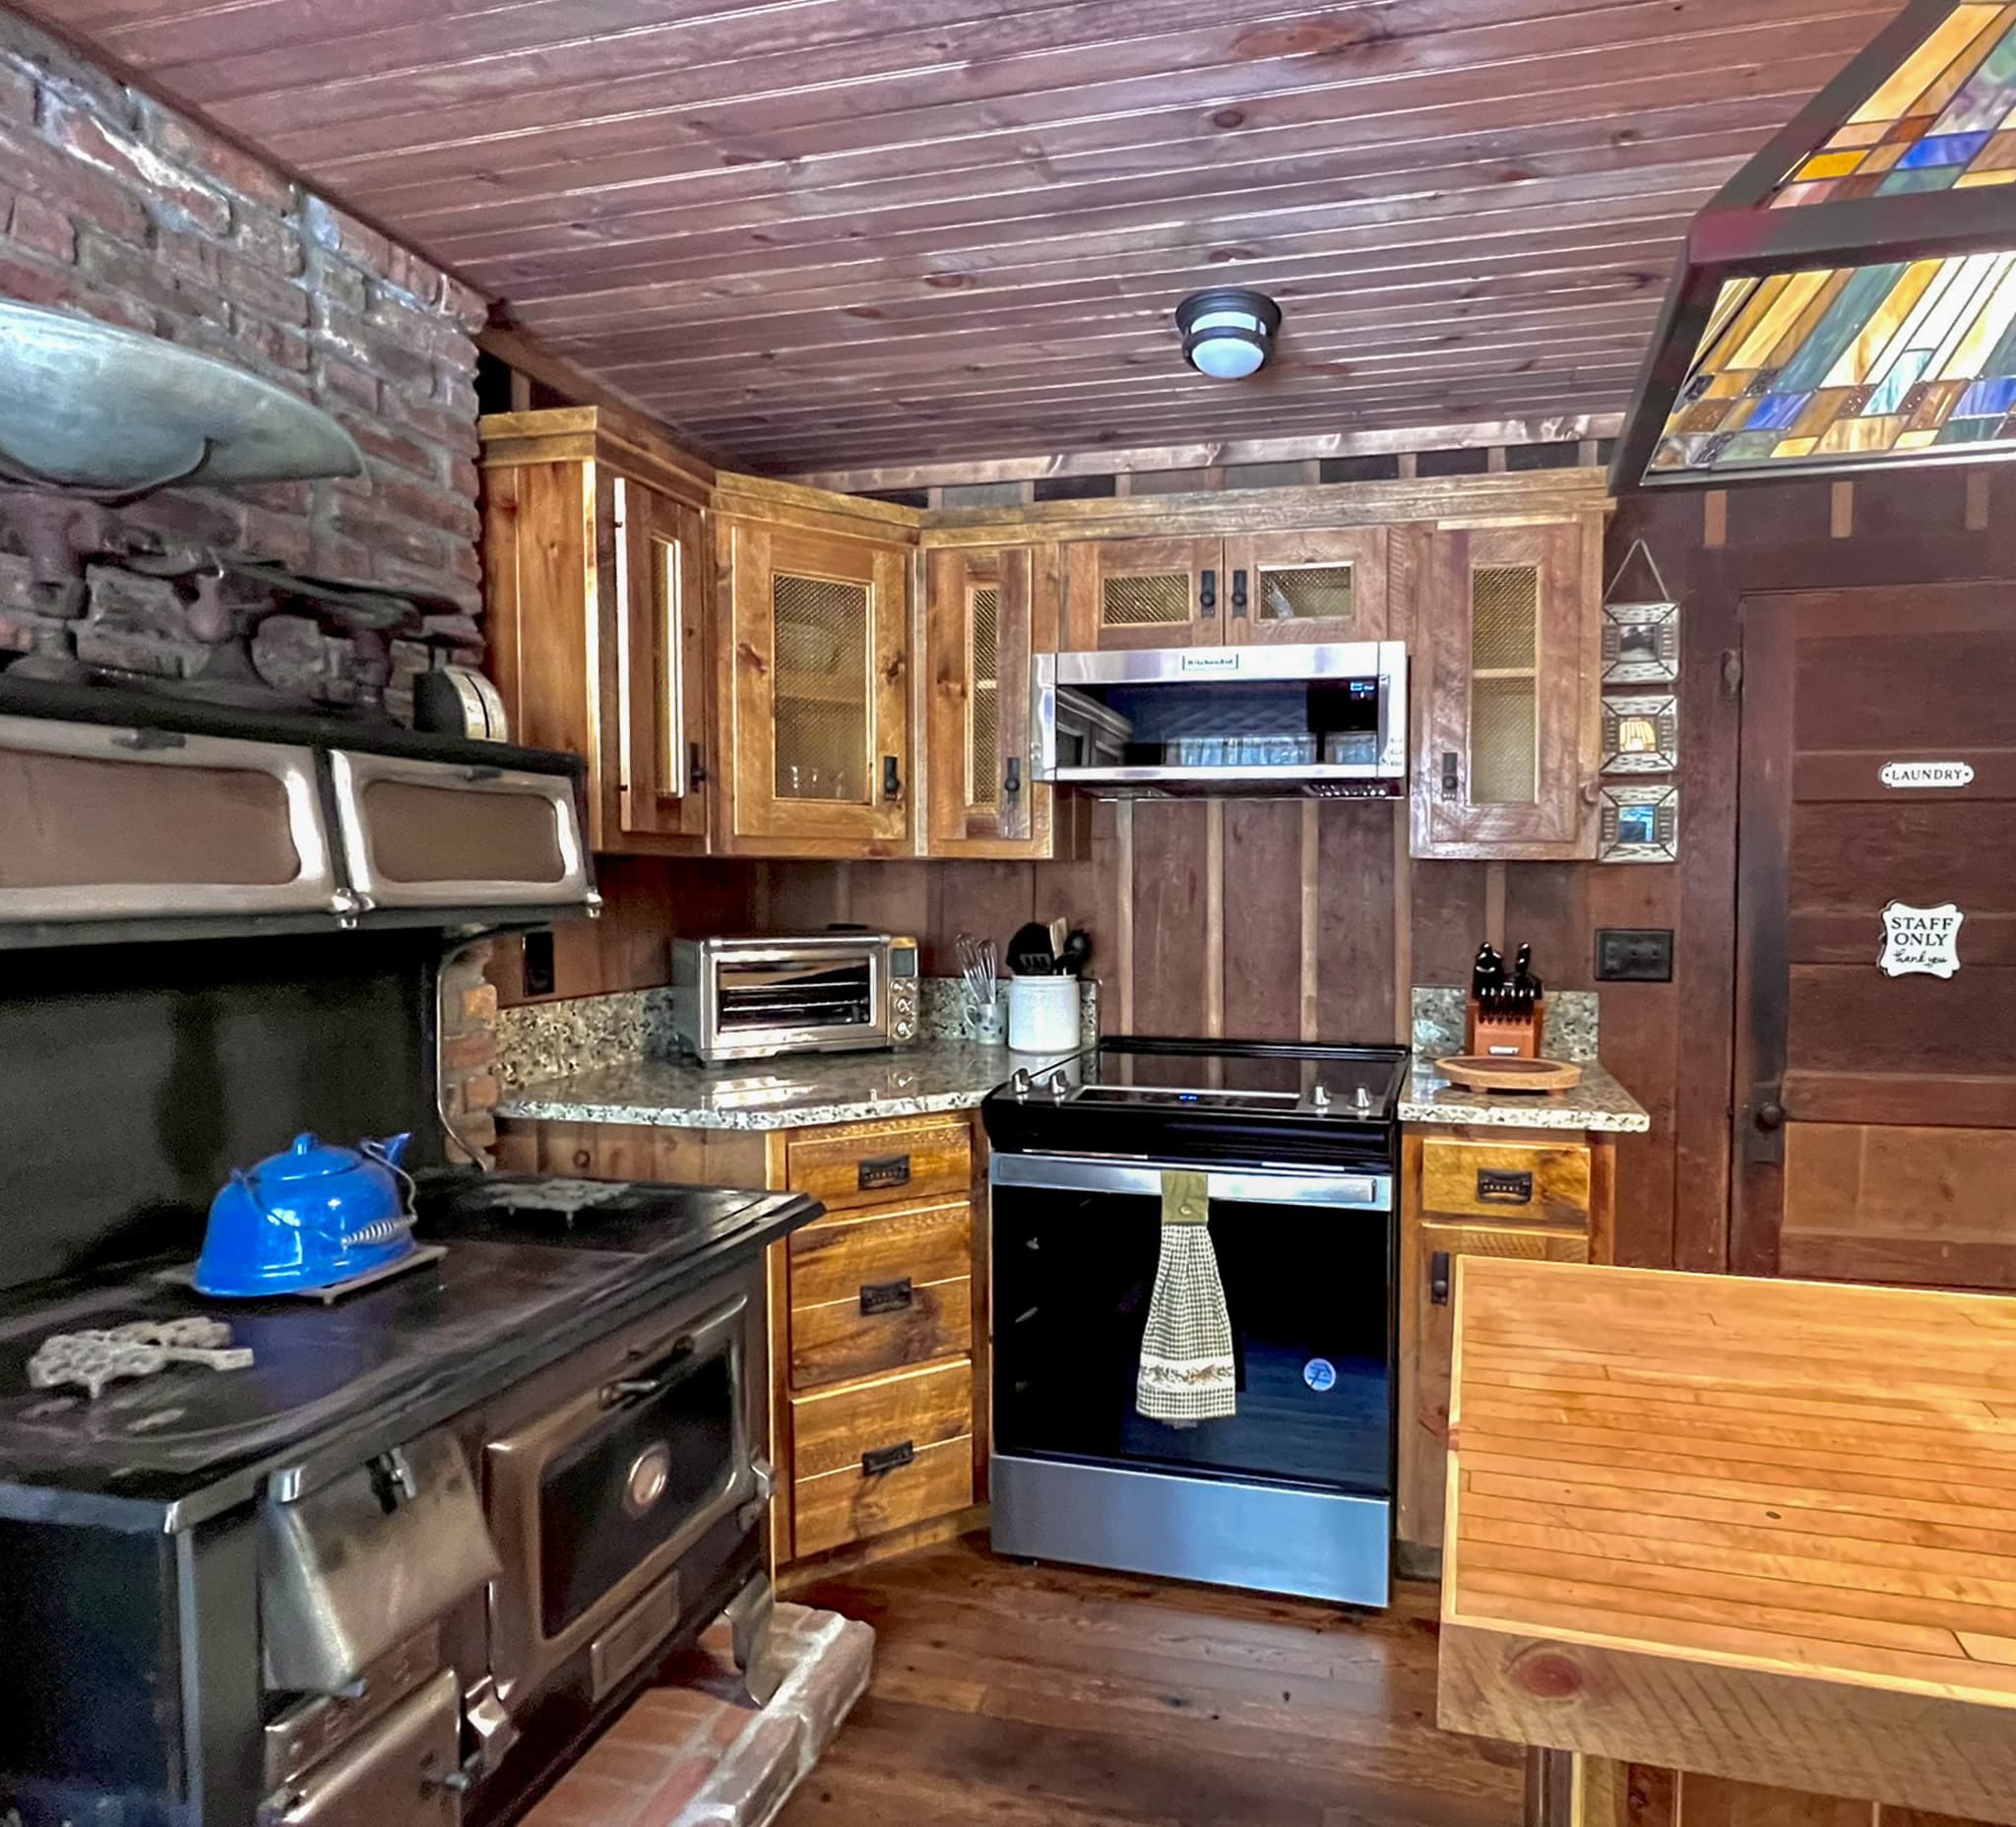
1848	302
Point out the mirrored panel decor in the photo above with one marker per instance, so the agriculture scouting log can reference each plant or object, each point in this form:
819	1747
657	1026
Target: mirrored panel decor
1641	735
1641	643
1639	824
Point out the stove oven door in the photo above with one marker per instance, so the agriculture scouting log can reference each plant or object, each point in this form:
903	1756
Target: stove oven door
600	1492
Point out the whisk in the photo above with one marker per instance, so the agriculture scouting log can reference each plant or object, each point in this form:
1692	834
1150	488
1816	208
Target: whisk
980	963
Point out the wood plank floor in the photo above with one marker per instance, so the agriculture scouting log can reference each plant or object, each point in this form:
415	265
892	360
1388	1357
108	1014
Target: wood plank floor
1012	1696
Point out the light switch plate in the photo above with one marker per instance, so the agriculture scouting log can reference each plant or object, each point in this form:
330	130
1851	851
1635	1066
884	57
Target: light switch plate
1634	955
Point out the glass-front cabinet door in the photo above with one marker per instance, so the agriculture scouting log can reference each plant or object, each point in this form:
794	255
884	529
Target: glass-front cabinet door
987	613
1507	752
1322	586
1143	593
818	682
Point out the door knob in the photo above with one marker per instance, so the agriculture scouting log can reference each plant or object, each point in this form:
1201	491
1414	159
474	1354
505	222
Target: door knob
1770	1118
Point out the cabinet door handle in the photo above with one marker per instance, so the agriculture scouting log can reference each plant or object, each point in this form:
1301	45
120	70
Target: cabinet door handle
1011	781
879	1459
696	765
1452	777
892	778
1438	1279
1206	594
1239	595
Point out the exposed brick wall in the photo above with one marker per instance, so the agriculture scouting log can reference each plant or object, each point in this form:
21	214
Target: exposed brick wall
114	205
469	1050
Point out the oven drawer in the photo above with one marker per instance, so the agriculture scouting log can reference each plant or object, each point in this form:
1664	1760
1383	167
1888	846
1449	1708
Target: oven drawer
877	1291
1526	1182
832	1431
881	1164
893	1480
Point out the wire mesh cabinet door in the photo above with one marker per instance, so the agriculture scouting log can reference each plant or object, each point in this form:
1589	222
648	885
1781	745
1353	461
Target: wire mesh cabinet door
1144	592
818	689
1509	736
1328	584
986	612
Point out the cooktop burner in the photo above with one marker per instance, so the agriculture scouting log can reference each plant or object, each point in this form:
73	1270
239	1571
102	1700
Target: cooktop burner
1223	1099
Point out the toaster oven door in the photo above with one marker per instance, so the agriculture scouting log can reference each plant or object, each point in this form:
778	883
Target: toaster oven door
797	1000
595	1499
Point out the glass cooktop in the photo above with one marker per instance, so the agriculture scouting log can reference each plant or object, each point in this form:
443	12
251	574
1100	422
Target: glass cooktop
1261	1078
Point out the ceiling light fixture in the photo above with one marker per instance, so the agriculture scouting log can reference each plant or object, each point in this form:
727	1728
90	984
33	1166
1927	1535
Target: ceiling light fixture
1227	331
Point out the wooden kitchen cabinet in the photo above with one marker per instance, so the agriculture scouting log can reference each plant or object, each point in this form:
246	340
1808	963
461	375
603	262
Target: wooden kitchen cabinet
596	610
813	680
988	613
1537	1196
878	1332
1320	584
1507	707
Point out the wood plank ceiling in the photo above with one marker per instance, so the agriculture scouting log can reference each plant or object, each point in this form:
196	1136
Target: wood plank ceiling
818	234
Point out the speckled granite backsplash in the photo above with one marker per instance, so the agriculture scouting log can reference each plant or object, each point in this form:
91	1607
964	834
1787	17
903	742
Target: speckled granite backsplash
552	1039
1572	1020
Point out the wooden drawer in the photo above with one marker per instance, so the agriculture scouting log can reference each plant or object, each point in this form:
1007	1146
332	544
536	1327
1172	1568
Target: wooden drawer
850	1505
876	1291
882	1164
1506	1183
919	1409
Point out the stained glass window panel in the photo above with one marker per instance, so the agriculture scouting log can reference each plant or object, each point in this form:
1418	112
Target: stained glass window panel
1941	118
1857	362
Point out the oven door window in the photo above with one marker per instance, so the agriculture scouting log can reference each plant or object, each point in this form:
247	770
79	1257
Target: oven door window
1247	724
1308	1290
619	1494
765	994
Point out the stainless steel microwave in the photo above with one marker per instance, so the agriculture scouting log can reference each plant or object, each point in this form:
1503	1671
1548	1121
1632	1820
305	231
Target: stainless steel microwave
1270	720
828	992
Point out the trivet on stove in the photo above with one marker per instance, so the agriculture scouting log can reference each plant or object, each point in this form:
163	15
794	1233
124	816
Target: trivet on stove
140	1348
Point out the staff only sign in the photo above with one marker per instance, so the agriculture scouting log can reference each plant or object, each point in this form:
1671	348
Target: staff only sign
1920	941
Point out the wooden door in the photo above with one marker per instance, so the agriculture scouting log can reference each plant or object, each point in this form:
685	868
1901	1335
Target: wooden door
1876	1113
1325	585
657	746
1144	592
987	613
1507	712
818	692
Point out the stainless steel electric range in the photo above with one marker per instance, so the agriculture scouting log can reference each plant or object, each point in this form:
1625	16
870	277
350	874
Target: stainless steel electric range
1291	1493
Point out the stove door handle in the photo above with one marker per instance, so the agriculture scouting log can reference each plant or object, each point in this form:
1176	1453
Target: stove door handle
652	1382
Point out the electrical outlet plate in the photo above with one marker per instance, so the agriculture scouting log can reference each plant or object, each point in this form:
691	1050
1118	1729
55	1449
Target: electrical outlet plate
1634	955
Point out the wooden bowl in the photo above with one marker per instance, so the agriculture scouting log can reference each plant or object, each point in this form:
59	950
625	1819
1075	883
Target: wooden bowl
1476	1073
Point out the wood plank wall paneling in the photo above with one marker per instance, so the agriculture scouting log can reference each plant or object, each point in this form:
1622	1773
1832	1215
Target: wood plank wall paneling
1325	918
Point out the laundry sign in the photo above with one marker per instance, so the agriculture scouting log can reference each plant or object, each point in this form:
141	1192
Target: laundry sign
1903	775
1920	941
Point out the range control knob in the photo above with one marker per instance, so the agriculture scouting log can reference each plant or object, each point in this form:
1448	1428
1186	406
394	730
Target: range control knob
1363	1099
1020	1083
1059	1085
1319	1097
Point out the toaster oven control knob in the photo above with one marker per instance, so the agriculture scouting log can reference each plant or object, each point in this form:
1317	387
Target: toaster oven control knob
903	1027
1021	1084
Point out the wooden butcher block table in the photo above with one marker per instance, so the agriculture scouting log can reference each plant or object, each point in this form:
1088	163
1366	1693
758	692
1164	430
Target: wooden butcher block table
1759	1530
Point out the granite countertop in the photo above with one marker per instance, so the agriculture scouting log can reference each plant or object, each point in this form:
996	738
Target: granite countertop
801	1091
1599	1103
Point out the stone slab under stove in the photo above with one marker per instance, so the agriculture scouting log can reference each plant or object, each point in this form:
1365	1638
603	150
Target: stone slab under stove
701	1754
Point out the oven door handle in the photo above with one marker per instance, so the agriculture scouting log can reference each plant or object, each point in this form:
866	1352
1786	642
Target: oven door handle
652	1382
1370	1191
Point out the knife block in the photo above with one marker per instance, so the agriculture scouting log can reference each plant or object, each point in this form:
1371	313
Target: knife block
1500	1036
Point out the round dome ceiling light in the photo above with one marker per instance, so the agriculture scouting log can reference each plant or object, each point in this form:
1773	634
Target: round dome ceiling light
1227	331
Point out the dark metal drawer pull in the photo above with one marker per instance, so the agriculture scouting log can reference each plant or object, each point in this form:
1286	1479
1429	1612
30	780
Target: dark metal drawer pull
1496	1186
1438	1279
883	1170
647	1383
886	1296
881	1459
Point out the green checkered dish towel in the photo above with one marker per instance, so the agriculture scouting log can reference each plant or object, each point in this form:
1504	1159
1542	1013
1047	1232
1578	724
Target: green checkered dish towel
1186	1370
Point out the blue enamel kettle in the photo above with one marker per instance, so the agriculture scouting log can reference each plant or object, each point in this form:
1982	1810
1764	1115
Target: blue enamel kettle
307	1219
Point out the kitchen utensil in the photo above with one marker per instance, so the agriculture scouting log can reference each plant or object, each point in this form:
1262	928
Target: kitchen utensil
305	1219
1058	929
1031	952
1518	1075
1077	952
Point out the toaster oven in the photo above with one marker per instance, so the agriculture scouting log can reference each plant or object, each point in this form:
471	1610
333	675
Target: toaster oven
829	992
